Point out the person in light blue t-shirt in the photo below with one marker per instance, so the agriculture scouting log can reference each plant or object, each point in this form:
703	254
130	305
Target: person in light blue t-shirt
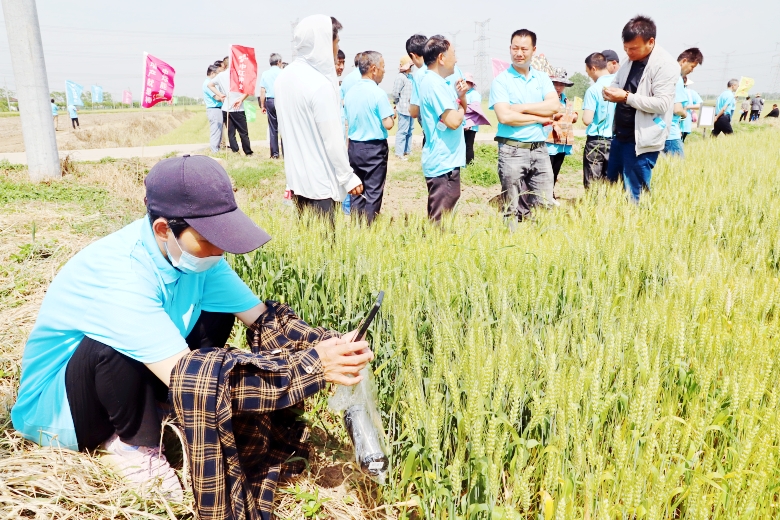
598	114
267	103
524	100
694	103
73	112
54	111
125	311
415	48
442	113
369	117
688	59
724	109
213	99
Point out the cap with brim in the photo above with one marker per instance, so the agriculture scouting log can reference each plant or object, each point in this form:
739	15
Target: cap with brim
197	188
610	55
233	232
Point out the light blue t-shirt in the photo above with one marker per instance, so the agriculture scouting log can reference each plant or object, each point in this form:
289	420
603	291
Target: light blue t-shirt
556	148
514	88
120	291
367	105
417	76
445	149
54	109
680	96
472	96
73	112
208	95
268	79
350	81
603	111
693	99
726	100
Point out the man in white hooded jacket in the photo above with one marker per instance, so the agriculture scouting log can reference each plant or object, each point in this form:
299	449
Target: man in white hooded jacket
308	107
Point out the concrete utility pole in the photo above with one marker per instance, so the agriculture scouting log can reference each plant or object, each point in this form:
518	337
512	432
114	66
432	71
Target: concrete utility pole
32	88
293	25
483	74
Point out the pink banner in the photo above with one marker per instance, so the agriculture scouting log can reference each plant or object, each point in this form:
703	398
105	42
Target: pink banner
499	66
158	81
127	97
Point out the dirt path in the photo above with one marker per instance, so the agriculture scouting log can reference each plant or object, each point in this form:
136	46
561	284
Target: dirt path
103	130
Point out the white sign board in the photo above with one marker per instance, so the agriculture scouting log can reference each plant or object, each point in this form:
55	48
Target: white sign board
707	116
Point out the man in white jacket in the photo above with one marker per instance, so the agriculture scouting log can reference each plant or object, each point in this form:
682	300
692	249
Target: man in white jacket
309	110
644	92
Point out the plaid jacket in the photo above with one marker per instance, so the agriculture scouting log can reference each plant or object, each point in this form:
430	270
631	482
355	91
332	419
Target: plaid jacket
240	414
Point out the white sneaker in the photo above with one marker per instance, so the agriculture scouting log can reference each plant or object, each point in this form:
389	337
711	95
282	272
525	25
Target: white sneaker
143	465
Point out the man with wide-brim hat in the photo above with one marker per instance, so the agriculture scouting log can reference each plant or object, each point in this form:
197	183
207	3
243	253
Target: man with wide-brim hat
401	95
122	315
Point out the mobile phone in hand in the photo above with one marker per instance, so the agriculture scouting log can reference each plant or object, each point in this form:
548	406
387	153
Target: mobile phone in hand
363	328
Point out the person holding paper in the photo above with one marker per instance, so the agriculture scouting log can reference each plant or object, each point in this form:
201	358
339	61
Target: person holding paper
644	93
524	100
598	114
688	61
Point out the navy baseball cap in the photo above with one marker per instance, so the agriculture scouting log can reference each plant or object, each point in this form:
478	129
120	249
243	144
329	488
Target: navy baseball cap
197	188
610	55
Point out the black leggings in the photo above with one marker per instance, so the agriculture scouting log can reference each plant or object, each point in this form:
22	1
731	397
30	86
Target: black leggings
469	136
109	392
75	122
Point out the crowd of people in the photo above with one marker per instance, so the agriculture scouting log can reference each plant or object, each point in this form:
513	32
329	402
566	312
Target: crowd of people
632	113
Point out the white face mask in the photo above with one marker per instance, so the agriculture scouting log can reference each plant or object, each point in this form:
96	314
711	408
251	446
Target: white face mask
189	263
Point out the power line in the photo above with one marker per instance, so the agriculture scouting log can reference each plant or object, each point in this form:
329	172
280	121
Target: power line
481	57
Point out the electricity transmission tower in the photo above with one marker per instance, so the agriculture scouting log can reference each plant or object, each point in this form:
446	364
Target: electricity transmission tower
293	25
481	58
776	71
726	68
454	36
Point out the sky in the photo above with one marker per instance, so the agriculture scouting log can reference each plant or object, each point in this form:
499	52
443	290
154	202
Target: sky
97	42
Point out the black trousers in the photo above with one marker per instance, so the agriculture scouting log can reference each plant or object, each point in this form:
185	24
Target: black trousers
595	158
556	161
237	121
469	135
273	127
722	125
75	122
322	207
743	116
369	162
684	135
443	193
109	392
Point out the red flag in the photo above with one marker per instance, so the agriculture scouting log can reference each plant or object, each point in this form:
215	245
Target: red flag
243	70
158	81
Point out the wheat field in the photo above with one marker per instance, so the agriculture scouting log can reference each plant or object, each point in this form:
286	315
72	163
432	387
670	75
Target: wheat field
605	361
